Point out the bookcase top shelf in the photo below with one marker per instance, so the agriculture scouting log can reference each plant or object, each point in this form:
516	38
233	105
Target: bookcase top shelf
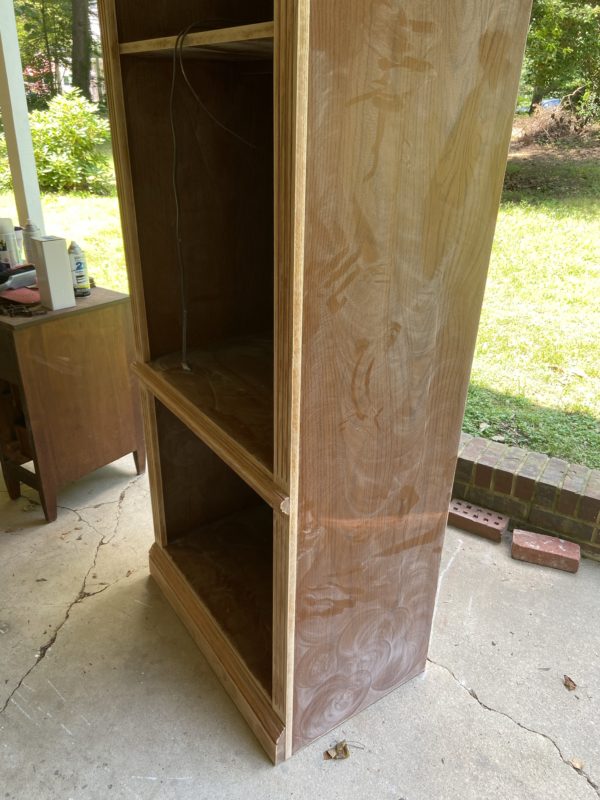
247	40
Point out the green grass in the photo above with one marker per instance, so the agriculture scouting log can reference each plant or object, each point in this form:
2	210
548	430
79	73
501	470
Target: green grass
536	373
93	222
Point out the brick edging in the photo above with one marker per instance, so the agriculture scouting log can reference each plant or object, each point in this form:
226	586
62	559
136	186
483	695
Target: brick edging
548	495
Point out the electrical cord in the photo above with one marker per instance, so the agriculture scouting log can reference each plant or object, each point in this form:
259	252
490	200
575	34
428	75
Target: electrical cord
178	58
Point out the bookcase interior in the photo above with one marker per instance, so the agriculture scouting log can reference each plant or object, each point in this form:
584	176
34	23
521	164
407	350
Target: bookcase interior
168	19
220	536
221	190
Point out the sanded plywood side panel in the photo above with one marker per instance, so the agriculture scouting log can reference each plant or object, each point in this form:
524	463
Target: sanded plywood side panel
409	117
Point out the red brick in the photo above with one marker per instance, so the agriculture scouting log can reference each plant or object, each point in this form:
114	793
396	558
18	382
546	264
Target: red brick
484	468
573	486
474	519
501	503
549	482
589	505
459	490
547	551
506	469
464	470
529	471
465	438
551	521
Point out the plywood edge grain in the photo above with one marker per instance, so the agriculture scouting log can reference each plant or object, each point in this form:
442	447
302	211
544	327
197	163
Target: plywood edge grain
154	470
291	65
116	105
247	694
239	33
228	449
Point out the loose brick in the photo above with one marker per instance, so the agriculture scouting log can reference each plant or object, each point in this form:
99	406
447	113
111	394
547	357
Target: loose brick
573	486
529	471
475	519
506	469
486	462
548	551
549	482
551	521
589	505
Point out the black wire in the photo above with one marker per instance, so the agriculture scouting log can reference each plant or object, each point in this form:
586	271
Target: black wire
180	261
178	54
209	114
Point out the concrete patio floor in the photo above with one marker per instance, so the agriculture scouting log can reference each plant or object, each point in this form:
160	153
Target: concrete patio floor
104	695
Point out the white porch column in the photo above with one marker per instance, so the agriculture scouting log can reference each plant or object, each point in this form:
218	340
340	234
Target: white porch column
16	122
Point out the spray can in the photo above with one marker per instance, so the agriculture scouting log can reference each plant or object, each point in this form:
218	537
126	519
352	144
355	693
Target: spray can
81	281
29	231
10	256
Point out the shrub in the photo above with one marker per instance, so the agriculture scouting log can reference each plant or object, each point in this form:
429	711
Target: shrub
553	126
67	137
67	140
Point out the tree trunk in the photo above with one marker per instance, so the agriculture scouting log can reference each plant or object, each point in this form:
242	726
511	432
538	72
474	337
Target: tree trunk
538	96
81	52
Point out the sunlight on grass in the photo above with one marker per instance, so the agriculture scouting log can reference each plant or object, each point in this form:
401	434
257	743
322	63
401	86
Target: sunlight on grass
539	332
93	222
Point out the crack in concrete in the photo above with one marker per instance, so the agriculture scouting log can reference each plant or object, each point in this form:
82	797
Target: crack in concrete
593	785
82	594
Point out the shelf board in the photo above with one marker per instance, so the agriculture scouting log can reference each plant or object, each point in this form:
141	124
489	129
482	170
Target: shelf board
254	41
228	564
170	567
227	401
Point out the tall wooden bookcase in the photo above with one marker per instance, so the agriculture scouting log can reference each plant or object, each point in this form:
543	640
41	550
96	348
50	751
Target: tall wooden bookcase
338	174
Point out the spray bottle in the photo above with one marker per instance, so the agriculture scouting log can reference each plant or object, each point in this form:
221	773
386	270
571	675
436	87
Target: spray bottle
81	281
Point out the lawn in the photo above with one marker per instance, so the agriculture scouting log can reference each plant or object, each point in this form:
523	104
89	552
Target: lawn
536	374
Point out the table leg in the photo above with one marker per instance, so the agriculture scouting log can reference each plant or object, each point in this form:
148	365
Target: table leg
13	484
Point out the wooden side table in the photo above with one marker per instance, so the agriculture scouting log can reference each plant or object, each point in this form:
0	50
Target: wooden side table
68	401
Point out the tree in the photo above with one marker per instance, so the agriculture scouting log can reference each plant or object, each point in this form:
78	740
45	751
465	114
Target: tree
44	39
563	47
81	51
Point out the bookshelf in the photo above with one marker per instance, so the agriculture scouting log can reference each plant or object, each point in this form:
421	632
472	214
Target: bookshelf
312	185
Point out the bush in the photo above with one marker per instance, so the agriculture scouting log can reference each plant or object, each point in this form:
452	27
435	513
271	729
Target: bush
67	140
552	126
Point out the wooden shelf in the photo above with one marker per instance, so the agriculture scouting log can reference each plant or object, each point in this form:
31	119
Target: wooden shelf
254	41
228	564
227	401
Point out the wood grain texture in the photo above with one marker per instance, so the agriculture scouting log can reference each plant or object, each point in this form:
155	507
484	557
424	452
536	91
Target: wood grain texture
290	88
232	383
208	399
80	406
228	563
409	114
168	17
237	680
120	146
225	190
197	486
251	36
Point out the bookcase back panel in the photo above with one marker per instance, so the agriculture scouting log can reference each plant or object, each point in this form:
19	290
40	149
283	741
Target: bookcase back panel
197	487
225	194
168	17
409	117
